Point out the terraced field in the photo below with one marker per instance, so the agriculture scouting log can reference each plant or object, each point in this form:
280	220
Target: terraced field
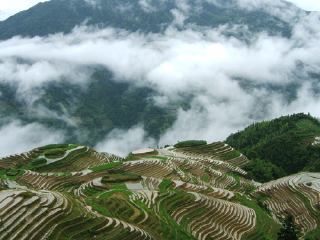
73	192
216	151
297	194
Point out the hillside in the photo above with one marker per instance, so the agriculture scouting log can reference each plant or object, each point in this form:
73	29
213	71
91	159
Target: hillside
65	191
87	68
98	108
287	145
115	75
63	15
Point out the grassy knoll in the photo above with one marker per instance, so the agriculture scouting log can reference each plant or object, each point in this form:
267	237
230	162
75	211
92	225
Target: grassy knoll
66	163
118	187
165	184
105	166
190	143
231	155
38	161
54	153
120	177
90	191
52	146
10	174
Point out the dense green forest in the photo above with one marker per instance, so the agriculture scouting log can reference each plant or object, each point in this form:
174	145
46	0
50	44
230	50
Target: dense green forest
190	143
104	104
279	147
97	109
62	16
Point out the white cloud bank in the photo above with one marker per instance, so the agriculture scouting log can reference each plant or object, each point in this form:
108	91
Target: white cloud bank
18	138
308	5
202	62
122	142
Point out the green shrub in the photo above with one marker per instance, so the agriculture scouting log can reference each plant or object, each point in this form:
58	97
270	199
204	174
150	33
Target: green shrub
38	161
231	155
51	146
117	171
106	166
165	184
121	177
12	172
119	187
190	143
54	153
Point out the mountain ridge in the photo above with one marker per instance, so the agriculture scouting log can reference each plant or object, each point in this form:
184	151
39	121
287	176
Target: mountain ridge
178	69
82	97
286	144
39	19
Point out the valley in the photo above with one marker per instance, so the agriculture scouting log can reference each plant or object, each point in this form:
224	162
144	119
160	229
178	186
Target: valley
100	101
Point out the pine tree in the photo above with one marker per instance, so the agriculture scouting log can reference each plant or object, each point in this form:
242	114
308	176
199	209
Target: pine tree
289	230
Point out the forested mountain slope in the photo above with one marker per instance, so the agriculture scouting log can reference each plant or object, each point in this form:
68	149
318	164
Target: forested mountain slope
96	109
148	16
280	147
96	72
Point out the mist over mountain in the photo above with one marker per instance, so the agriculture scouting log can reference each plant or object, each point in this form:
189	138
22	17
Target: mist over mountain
118	75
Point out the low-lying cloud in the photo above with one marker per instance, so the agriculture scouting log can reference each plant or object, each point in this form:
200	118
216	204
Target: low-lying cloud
229	78
122	142
17	138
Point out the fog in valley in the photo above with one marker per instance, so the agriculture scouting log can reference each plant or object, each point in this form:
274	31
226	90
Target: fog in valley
233	81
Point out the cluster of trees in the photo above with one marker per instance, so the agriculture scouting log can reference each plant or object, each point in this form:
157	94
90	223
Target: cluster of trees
121	177
279	147
38	161
50	146
104	105
54	153
108	104
190	143
289	231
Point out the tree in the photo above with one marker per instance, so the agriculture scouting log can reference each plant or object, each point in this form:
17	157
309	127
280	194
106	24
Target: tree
289	230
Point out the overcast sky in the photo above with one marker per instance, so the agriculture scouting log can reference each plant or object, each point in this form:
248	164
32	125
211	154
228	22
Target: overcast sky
310	5
11	7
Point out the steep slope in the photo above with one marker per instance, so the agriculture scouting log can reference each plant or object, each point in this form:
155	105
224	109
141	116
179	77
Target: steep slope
176	198
150	16
64	191
287	145
296	194
88	98
98	107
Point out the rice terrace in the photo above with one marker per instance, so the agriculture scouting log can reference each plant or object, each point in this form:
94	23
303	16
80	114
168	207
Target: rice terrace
192	190
159	119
